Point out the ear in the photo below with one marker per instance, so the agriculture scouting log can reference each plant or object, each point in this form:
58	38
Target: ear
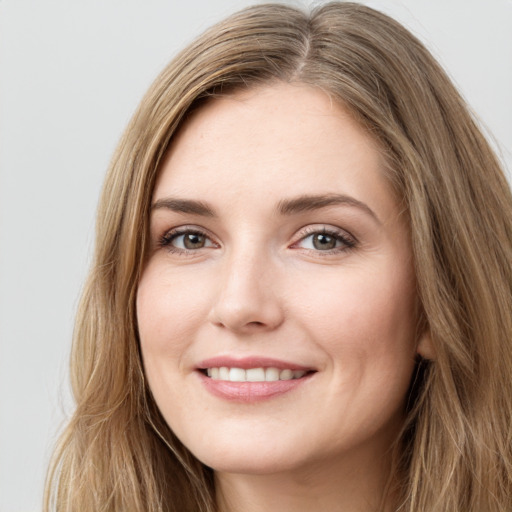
425	347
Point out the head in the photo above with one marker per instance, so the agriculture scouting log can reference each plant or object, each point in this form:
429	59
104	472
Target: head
444	179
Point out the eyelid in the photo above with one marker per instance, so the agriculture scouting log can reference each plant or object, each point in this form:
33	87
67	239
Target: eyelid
349	241
165	240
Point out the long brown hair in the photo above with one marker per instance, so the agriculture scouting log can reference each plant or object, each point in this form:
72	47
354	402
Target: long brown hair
117	453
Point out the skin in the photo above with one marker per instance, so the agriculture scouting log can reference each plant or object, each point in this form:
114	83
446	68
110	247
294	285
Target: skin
257	285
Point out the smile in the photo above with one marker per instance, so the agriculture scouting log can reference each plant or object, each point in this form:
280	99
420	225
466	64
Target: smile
253	374
251	379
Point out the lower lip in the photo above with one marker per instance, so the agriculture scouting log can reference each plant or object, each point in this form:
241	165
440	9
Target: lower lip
250	391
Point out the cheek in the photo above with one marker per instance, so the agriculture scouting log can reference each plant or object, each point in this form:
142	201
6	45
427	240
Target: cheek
367	327
168	309
168	314
366	317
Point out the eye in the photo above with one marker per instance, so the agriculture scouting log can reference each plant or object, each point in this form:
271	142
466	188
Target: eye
326	240
186	239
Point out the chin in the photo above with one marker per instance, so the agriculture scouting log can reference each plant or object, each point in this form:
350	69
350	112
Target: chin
248	457
242	463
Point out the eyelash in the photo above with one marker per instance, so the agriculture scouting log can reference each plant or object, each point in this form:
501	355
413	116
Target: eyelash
348	241
167	239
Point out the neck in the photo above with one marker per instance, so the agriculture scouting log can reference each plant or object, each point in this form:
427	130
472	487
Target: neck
352	486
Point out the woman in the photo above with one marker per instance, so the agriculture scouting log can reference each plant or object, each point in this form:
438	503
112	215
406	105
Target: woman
302	288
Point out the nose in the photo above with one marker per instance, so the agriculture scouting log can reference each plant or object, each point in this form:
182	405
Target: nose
247	300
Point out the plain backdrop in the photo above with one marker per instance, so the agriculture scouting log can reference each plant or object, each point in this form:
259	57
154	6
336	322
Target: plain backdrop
71	74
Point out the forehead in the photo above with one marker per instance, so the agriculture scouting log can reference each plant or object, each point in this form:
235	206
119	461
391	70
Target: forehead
270	141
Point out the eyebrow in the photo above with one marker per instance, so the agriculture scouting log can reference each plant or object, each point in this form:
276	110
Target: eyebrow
315	202
185	206
293	206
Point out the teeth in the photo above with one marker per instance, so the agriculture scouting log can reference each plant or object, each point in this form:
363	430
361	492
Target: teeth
253	374
271	374
237	375
286	375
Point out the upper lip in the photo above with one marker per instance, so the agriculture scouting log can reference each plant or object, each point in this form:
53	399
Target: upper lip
250	362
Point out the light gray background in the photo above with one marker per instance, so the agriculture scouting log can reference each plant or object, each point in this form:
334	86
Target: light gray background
71	74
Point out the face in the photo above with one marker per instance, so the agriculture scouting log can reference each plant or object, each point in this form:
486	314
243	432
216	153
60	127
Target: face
277	307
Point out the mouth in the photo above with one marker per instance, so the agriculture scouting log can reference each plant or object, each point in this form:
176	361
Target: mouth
259	374
251	379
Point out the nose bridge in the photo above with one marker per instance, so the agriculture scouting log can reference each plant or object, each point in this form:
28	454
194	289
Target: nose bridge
246	297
